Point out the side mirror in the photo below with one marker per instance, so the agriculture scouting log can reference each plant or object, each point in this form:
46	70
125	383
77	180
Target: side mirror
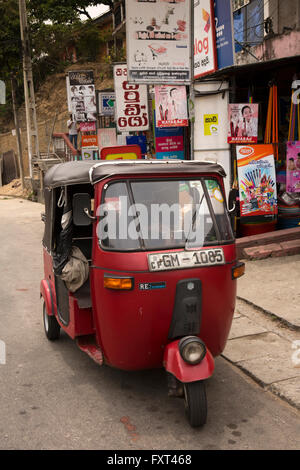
82	209
232	200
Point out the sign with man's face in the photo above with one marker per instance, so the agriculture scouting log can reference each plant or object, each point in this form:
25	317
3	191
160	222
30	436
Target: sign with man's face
171	106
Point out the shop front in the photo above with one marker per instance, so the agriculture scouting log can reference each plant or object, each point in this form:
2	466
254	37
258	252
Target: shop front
263	133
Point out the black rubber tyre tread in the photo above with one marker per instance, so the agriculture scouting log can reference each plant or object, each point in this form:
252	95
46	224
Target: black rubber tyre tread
195	403
52	331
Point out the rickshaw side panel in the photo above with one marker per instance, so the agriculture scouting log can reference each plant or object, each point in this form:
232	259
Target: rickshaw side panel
47	287
81	320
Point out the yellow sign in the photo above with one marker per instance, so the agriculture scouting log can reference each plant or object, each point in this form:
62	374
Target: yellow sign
121	156
211	124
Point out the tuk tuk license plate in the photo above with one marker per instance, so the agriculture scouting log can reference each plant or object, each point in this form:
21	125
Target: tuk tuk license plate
185	259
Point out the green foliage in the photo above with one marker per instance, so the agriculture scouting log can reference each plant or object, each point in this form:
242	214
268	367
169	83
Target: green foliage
10	41
55	27
58	11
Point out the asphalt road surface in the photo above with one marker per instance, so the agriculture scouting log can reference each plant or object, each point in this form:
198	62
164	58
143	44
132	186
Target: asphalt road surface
53	396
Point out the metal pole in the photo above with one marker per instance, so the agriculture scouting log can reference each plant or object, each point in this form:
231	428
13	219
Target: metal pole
31	120
192	90
17	126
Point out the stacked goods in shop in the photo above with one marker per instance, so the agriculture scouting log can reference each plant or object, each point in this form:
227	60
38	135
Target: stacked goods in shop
288	210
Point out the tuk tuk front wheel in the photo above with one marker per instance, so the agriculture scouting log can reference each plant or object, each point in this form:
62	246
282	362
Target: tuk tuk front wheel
51	326
195	403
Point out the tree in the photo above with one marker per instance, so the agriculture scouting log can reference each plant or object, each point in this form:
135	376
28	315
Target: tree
53	25
65	12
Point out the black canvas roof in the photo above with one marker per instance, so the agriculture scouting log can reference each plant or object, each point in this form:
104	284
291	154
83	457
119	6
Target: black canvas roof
81	172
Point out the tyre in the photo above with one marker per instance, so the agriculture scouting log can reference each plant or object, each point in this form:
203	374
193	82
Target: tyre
195	403
51	326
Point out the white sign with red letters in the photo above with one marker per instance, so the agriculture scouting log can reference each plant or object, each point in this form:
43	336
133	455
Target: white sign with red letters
205	52
131	102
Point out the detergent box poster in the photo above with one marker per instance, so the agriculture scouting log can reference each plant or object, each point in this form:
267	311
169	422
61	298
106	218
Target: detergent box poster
257	180
293	167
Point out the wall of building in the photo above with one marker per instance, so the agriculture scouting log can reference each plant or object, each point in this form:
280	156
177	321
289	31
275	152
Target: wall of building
277	47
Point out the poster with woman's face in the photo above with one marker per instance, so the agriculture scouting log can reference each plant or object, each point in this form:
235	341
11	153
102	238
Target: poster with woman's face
293	167
243	123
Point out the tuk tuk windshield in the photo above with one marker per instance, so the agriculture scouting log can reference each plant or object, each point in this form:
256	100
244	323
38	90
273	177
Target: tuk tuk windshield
163	214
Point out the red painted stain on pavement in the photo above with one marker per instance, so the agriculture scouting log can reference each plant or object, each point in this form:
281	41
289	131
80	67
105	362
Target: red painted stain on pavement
130	427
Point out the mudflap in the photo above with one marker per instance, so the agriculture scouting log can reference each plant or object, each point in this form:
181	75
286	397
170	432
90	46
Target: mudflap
185	373
87	345
45	292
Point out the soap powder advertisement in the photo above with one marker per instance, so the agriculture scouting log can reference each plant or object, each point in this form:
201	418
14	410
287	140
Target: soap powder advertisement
293	167
257	180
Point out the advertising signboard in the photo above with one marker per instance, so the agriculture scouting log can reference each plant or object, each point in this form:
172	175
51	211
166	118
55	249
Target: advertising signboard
106	104
243	123
224	33
257	180
107	137
81	95
171	106
131	102
293	167
205	54
89	141
158	37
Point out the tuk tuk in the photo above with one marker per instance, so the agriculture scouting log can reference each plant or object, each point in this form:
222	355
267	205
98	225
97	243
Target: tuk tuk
140	267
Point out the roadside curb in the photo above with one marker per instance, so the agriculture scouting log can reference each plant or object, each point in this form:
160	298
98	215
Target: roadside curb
271	315
267	387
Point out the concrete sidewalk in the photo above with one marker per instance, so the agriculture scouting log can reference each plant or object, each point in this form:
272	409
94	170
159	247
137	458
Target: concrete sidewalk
265	336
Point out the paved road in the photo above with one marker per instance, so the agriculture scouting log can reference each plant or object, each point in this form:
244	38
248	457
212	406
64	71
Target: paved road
54	397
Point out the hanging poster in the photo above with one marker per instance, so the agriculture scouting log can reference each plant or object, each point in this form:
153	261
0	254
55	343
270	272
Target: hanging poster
205	54
107	137
90	153
171	106
87	126
106	104
169	142
131	102
158	38
211	124
224	33
81	95
293	167
243	123
257	180
89	141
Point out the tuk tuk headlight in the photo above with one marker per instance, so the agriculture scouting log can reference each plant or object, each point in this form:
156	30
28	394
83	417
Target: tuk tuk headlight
192	349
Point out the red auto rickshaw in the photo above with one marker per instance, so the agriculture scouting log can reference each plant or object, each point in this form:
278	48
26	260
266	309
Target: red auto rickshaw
140	267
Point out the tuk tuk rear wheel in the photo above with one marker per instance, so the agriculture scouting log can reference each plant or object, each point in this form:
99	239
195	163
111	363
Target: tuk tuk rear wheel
195	403
51	326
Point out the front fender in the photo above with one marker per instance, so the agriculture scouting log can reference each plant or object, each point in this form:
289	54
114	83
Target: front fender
45	292
184	372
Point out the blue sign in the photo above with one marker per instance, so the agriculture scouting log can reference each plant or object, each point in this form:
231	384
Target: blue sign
224	33
106	104
138	140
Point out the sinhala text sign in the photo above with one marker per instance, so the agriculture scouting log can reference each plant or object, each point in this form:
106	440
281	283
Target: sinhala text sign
158	35
131	102
205	55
